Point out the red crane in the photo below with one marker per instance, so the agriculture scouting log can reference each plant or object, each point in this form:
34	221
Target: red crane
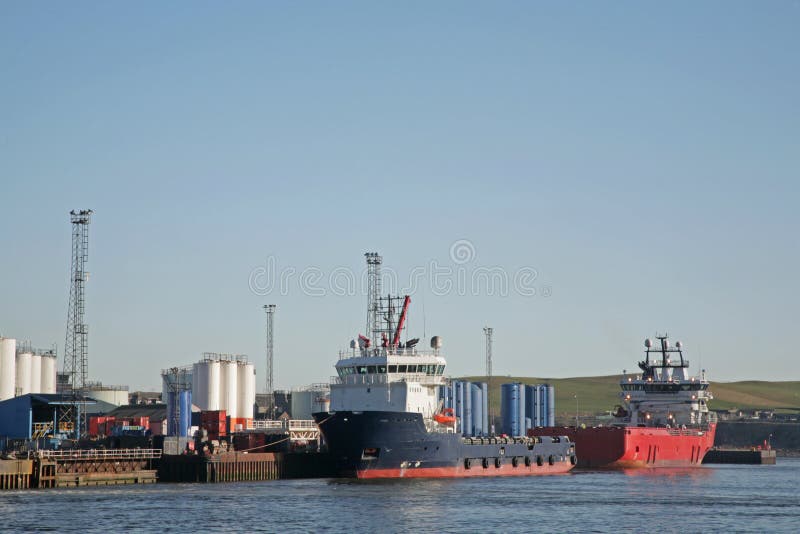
401	323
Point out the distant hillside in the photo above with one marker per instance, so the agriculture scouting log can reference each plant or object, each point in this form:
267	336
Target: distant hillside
597	394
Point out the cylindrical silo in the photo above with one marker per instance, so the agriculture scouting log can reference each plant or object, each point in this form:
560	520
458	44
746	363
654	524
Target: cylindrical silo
229	398
8	367
551	405
459	409
36	373
485	397
48	378
23	381
530	403
457	400
453	396
521	414
477	410
467	426
195	383
223	388
252	387
539	421
542	405
247	390
509	408
185	414
212	371
445	396
172	413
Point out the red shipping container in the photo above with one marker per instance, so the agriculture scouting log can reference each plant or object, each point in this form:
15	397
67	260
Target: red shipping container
215	422
143	421
94	423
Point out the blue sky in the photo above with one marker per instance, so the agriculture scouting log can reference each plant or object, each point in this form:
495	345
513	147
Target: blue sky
642	158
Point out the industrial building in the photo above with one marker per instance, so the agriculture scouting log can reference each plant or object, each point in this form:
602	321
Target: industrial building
156	415
35	415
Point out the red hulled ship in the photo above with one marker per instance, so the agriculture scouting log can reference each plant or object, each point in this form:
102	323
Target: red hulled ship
663	420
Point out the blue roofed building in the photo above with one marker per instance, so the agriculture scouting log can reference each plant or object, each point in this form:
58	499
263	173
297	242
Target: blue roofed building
35	415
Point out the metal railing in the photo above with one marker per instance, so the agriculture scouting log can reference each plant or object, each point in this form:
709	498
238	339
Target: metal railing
302	424
108	454
384	351
260	424
371	379
291	424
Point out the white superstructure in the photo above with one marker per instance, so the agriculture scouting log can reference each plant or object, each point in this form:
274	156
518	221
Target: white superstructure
392	377
391	380
664	394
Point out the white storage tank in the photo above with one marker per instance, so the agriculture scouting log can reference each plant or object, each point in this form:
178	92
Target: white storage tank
222	384
8	367
247	389
199	387
36	373
206	385
116	395
230	379
48	378
251	389
23	374
213	381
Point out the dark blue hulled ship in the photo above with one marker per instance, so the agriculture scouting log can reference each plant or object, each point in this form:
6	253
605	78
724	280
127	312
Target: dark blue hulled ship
386	419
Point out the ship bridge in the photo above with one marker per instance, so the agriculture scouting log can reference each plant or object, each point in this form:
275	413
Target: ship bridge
386	365
394	379
664	394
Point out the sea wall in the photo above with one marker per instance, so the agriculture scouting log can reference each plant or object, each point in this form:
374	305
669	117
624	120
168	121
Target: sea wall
785	436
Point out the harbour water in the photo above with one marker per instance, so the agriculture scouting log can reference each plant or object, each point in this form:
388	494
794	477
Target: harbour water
734	498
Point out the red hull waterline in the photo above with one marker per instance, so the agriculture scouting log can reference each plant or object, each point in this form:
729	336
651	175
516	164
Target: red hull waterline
625	447
460	471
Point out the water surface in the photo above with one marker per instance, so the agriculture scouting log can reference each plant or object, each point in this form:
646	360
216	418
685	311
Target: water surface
707	499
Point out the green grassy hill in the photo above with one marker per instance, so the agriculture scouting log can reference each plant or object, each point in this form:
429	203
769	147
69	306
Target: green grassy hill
598	394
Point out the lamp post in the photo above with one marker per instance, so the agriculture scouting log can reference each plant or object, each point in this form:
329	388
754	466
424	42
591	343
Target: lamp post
576	411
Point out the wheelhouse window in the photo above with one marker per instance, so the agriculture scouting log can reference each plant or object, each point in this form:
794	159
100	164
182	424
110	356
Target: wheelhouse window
371	369
381	369
392	368
402	368
440	370
362	370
